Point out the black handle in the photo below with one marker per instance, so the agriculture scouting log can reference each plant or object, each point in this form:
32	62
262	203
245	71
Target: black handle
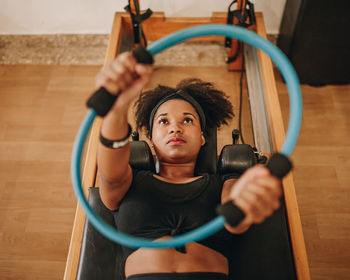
102	100
279	166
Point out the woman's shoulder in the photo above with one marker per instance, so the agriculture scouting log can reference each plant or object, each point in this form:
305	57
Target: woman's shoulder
139	174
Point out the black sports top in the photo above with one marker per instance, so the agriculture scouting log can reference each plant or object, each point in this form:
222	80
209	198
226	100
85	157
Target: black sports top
153	208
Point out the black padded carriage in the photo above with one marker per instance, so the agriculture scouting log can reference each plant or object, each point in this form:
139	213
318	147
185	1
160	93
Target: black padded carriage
263	252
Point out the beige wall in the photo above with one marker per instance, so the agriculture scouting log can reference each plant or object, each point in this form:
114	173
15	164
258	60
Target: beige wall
95	16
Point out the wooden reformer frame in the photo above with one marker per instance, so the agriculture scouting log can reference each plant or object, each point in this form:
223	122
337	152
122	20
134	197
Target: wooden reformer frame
155	28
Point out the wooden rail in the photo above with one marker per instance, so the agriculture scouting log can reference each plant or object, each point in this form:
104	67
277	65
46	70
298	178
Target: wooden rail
277	132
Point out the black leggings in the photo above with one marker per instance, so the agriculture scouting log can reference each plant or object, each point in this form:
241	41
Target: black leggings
180	276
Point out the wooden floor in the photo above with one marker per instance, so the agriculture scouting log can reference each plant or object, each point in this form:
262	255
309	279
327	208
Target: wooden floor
322	177
41	108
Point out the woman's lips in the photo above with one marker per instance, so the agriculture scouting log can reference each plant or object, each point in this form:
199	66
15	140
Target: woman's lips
176	141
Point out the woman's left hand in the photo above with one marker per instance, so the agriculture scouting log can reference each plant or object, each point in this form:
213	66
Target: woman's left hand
257	193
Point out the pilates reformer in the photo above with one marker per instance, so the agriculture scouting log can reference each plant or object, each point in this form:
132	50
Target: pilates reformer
274	266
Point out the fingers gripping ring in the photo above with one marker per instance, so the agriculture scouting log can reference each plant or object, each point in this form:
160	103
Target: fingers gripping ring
216	224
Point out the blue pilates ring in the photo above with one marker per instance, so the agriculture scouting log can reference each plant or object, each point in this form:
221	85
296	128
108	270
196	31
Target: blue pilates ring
295	99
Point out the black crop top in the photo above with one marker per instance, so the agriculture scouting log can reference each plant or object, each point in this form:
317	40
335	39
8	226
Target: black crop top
153	208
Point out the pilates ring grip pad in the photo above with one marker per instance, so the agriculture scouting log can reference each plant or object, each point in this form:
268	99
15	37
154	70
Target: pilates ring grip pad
278	165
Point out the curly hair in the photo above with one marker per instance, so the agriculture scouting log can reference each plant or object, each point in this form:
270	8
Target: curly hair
215	104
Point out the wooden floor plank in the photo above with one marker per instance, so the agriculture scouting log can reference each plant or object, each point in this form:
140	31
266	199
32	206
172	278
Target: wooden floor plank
322	177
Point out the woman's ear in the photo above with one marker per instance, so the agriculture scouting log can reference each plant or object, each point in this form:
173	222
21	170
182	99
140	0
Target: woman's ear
203	139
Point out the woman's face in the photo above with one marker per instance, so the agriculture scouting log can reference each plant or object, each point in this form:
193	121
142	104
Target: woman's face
176	133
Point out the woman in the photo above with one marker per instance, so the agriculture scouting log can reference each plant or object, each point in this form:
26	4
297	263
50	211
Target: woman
175	200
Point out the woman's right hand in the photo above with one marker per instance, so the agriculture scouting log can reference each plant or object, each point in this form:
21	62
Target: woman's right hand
257	193
124	77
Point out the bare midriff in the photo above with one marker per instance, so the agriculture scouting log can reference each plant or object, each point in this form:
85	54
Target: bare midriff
198	258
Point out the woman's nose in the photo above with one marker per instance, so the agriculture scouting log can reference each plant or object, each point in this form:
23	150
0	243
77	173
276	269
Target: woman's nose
175	128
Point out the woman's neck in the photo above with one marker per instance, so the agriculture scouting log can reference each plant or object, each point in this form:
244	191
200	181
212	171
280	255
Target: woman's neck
176	172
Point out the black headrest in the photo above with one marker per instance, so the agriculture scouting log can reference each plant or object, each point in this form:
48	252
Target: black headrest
141	156
207	157
236	158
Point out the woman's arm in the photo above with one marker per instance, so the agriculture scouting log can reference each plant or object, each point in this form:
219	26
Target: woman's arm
125	77
257	193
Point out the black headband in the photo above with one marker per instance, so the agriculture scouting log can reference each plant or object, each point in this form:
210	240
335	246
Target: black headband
180	94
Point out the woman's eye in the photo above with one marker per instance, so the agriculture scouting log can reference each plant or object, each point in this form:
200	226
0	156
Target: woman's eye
188	120
162	121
